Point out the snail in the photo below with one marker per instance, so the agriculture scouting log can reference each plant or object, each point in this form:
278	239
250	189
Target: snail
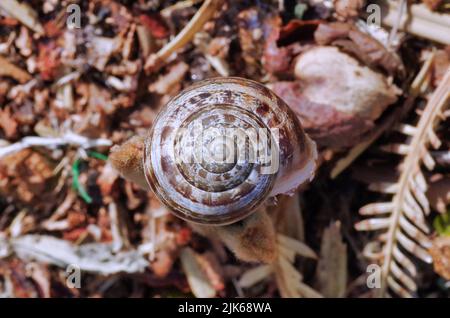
216	152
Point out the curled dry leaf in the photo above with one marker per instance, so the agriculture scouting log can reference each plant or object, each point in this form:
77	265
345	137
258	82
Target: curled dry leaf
362	45
352	89
440	63
335	98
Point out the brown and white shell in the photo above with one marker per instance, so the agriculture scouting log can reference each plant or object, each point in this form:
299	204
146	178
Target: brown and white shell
207	175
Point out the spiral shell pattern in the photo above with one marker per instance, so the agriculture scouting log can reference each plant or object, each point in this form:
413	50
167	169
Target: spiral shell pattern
211	151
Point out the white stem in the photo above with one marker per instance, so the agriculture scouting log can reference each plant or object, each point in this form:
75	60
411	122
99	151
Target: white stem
68	138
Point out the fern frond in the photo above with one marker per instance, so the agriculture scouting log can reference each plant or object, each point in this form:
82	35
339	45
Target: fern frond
403	218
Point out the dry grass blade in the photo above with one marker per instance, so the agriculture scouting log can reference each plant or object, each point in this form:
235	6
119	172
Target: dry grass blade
9	69
24	13
332	267
197	279
404	216
421	21
206	11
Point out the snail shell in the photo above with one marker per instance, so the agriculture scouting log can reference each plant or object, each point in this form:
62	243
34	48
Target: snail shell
221	147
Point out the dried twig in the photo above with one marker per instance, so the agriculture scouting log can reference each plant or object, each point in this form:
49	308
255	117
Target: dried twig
206	11
24	13
68	138
94	257
421	21
9	69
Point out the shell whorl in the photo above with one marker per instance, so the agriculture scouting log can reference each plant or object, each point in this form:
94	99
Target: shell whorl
221	147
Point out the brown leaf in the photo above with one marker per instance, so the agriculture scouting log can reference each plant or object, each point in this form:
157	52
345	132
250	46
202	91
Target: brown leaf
335	97
326	125
362	45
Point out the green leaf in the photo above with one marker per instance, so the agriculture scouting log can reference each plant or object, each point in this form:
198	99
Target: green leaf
76	182
98	155
300	10
441	224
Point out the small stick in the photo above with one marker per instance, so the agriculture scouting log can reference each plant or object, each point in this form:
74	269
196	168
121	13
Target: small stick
11	70
24	13
421	21
206	11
